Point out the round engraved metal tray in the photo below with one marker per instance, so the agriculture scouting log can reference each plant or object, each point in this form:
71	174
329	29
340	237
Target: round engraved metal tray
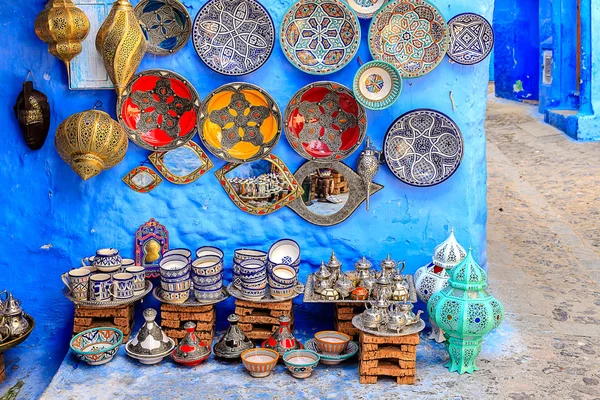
108	303
358	324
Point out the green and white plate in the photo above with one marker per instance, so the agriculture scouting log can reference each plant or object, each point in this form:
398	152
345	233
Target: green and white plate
377	85
326	359
365	9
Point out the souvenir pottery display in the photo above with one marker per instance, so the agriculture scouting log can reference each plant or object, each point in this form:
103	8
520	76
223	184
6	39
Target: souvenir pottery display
151	242
14	317
368	166
234	342
122	43
466	311
331	342
186	253
365	9
319	37
63	27
106	260
190	351
77	282
126	263
282	340
209	251
91	142
301	363
99	287
471	39
158	110
423	148
150	345
331	359
234	37
377	85
260	362
412	35
97	346
433	277
122	286
33	114
167	23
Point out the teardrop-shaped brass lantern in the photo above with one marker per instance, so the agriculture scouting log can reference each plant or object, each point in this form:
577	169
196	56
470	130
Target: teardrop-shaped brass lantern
91	142
63	27
122	44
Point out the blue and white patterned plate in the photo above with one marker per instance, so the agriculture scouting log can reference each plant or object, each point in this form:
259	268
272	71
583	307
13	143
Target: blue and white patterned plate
471	39
319	36
326	359
233	37
377	85
168	25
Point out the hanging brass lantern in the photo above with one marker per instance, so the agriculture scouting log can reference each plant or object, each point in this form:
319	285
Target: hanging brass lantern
91	142
63	27
121	42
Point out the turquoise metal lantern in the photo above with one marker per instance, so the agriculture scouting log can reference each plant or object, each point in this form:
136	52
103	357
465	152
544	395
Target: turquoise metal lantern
466	311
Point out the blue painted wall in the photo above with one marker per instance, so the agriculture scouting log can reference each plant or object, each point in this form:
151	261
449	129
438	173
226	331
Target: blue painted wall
51	218
516	52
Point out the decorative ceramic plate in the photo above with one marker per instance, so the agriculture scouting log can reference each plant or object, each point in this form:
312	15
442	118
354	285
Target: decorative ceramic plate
260	187
411	35
191	302
239	122
108	303
159	110
235	292
330	359
234	37
365	9
377	85
471	38
4	346
319	36
416	328
324	122
182	165
142	179
423	147
168	25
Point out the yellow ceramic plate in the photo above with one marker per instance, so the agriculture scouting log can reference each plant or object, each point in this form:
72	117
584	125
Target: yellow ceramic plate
239	122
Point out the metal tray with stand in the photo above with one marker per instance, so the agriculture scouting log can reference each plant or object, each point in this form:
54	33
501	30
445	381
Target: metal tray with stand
418	327
311	297
108	303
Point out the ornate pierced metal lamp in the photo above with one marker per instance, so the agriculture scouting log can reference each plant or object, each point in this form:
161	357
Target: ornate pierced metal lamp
433	277
466	311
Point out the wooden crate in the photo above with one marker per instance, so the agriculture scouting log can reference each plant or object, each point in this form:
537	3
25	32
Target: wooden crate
344	312
2	369
173	318
259	320
388	356
120	317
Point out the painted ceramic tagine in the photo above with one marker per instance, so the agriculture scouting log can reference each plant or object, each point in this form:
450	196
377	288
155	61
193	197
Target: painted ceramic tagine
234	342
190	351
282	339
151	344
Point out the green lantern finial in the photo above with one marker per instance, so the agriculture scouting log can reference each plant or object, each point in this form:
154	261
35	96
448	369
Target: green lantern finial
466	311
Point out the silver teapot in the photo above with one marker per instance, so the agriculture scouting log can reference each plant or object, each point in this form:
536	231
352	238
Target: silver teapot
400	316
388	266
372	317
344	286
322	279
14	316
383	287
363	269
335	267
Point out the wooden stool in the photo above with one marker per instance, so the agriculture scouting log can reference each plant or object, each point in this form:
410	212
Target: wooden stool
120	317
2	370
344	312
259	320
173	318
388	356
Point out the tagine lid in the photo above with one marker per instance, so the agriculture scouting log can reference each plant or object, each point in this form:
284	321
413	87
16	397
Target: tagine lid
282	340
234	342
150	340
190	348
449	253
333	262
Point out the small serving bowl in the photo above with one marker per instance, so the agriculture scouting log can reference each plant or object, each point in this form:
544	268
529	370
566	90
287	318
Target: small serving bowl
175	297
179	252
332	342
284	275
175	287
301	363
212	286
97	346
285	251
209	251
207	265
174	267
207	295
254	293
249	254
281	293
207	280
260	362
254	285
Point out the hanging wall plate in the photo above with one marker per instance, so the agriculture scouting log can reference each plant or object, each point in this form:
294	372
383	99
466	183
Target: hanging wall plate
234	37
319	36
471	39
142	179
260	187
239	122
377	85
324	122
412	35
332	192
159	110
365	9
182	165
423	147
168	25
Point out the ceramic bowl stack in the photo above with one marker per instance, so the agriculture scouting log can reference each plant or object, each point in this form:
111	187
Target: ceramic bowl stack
207	274
175	277
253	279
241	255
285	251
282	281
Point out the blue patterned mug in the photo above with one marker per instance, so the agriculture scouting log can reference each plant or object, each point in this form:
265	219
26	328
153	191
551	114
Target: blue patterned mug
139	278
77	280
122	286
100	287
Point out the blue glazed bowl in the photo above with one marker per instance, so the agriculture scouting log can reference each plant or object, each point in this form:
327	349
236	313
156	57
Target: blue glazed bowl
207	280
301	363
176	297
254	293
175	287
97	346
284	275
209	251
207	265
207	295
174	267
209	288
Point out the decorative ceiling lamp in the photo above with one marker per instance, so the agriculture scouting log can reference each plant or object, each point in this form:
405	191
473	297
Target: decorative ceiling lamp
63	27
433	277
91	142
121	43
466	311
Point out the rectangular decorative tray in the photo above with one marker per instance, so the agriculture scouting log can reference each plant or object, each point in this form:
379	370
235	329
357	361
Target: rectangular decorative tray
311	297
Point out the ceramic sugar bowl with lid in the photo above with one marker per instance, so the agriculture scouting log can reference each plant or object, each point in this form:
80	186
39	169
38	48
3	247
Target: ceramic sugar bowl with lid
151	344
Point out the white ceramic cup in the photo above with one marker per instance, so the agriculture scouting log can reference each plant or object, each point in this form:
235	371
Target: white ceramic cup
139	278
77	280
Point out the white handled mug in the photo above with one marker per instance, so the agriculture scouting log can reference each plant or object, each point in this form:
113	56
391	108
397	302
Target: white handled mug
77	281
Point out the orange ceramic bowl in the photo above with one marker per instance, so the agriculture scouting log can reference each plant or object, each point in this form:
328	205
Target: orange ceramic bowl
332	342
260	362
